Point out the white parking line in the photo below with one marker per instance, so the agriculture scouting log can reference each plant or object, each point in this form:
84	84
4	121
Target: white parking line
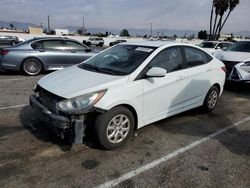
13	79
153	164
11	107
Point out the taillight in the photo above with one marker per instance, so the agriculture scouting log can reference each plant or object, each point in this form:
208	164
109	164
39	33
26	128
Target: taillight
4	52
224	69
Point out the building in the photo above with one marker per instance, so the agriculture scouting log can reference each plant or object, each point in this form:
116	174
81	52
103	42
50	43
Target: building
35	30
62	31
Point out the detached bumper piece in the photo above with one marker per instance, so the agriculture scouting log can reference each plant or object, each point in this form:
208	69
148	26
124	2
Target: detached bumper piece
240	73
60	124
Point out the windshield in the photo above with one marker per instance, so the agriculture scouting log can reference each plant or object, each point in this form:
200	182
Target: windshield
243	46
207	44
118	60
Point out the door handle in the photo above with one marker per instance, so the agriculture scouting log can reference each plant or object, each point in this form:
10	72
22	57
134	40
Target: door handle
209	69
73	51
180	78
41	50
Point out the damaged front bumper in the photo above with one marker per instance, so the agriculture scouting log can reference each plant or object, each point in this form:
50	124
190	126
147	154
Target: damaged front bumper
60	124
46	116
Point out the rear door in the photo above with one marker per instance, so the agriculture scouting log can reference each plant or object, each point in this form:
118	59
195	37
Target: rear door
198	73
76	52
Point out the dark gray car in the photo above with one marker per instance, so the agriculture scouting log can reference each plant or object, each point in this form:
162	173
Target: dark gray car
42	54
8	40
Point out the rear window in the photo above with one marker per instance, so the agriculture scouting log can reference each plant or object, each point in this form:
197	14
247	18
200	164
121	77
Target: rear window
37	45
196	57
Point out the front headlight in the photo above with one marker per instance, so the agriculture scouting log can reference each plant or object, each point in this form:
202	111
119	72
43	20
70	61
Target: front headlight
81	102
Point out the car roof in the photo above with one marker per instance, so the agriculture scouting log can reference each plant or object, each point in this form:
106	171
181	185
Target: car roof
51	38
150	43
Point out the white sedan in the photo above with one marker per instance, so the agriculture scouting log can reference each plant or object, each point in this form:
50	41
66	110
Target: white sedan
127	87
213	46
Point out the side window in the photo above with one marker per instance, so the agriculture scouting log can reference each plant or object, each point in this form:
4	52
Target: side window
37	45
169	59
196	57
53	45
246	47
225	45
75	46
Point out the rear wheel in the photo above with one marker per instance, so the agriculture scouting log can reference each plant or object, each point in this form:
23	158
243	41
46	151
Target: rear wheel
211	99
32	66
114	127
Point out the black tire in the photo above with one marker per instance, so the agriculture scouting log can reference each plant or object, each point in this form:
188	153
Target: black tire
108	119
88	43
100	44
32	66
211	99
13	43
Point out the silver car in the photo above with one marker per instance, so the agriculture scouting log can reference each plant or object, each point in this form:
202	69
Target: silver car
41	54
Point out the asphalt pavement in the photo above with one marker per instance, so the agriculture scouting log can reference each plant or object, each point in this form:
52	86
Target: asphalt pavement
192	149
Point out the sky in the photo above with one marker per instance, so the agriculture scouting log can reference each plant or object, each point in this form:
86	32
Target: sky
119	14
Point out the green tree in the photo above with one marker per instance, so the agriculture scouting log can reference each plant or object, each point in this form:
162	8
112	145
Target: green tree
202	34
124	33
220	8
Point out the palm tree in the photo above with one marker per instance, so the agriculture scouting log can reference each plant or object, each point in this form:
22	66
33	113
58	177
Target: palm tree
216	4
222	8
211	20
232	5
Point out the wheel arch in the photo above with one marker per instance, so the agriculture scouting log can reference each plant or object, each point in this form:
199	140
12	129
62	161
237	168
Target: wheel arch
133	111
218	87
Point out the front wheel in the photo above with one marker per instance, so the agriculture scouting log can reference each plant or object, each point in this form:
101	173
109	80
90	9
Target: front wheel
32	67
211	99
114	127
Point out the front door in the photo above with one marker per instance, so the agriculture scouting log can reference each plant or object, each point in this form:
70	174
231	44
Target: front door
76	53
163	96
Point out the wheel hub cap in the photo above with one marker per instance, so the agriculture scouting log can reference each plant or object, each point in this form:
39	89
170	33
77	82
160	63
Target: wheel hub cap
118	129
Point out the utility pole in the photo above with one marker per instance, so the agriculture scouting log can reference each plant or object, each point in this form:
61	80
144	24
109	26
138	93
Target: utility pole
48	25
151	29
83	26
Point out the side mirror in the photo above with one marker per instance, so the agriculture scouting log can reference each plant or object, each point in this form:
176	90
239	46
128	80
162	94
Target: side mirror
218	47
156	72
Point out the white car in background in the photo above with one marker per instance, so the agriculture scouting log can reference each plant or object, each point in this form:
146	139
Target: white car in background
212	46
237	61
126	87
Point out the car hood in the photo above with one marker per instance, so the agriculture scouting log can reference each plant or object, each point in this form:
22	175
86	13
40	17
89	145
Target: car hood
232	56
74	81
